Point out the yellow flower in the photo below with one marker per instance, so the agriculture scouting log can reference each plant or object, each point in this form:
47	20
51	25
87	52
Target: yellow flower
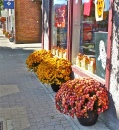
35	58
54	70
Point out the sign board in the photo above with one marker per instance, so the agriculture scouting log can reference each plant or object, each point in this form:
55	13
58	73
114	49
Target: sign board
4	13
8	4
101	53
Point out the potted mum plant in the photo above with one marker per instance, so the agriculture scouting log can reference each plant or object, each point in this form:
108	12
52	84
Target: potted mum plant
35	58
54	71
84	98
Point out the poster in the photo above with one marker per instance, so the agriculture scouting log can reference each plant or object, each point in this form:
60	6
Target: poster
60	15
99	9
101	53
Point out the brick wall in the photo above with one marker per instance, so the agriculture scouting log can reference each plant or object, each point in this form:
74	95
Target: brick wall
27	21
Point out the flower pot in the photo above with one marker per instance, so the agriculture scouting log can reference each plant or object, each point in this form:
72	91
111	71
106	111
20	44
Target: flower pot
11	39
90	120
55	87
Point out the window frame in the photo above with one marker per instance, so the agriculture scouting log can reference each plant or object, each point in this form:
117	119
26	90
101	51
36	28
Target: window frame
71	21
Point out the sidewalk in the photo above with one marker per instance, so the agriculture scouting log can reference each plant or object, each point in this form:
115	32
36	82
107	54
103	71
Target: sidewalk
25	103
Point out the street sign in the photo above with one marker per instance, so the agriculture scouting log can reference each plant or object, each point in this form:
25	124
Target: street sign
8	4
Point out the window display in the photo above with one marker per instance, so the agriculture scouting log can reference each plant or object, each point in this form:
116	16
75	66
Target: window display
59	28
93	32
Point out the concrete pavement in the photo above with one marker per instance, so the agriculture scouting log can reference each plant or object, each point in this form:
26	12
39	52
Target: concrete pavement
25	103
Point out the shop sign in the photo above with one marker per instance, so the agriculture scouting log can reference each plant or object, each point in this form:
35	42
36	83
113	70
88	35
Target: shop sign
8	4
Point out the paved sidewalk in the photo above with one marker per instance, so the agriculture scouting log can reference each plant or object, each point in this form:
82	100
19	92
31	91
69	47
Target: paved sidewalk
25	103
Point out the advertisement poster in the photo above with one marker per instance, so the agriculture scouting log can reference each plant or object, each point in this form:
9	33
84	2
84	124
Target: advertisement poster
99	9
101	53
60	15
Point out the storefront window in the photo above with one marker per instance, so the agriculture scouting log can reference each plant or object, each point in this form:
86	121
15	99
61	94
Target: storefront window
59	28
93	37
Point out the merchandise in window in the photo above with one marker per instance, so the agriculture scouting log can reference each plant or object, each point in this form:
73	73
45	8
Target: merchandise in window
93	37
59	28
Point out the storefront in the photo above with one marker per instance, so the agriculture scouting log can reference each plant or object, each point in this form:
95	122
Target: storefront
80	32
92	24
90	42
55	25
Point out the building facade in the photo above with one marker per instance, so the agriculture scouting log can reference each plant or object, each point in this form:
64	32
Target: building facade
28	21
75	32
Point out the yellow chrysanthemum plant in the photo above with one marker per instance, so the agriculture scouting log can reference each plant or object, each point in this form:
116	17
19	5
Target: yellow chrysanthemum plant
35	58
54	71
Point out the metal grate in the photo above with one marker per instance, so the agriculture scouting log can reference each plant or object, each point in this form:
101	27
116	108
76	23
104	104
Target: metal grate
1	125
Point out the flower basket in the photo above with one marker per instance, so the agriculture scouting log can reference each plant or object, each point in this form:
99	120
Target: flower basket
79	96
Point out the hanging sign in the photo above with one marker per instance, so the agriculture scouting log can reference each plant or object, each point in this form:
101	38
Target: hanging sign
8	4
99	9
